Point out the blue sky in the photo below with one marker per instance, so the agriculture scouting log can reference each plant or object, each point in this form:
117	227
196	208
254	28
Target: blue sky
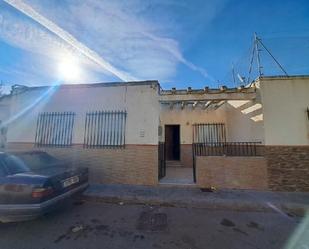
180	43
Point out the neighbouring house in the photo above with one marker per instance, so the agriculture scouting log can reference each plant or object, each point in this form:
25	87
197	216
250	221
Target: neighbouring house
253	137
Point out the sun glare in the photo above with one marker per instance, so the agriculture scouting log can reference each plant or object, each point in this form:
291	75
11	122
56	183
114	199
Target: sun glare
69	69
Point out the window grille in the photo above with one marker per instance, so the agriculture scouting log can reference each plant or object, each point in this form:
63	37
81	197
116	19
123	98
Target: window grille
54	129
105	129
209	133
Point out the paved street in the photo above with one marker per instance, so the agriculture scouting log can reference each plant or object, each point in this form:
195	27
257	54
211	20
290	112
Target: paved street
82	225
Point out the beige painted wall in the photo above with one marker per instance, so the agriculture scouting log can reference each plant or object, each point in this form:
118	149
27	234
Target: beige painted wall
285	101
239	126
187	117
140	102
243	121
280	120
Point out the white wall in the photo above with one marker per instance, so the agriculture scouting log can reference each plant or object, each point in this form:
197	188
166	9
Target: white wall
239	126
187	117
244	123
4	115
285	100
140	102
4	108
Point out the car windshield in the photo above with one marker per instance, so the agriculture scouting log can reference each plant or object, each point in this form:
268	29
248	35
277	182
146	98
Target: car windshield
28	162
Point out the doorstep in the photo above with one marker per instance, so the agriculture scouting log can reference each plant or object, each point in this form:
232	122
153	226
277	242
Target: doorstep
177	185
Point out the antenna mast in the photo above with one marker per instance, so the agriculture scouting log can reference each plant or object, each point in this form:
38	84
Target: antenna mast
256	50
273	57
233	73
258	59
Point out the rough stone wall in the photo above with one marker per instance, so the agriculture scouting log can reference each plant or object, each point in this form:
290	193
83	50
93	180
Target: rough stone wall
231	172
288	168
135	164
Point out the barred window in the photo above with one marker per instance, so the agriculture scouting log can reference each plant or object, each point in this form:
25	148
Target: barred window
105	129
54	129
209	133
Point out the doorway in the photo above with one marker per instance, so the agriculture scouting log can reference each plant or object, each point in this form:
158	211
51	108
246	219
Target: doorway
175	172
172	142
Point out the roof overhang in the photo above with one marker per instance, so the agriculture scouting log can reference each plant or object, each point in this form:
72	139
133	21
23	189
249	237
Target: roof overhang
216	95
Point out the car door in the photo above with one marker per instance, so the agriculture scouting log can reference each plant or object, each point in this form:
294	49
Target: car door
4	195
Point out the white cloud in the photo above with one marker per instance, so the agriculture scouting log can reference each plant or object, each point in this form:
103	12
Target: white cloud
29	36
124	33
68	38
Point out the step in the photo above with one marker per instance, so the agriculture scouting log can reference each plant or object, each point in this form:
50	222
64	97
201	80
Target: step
177	185
174	164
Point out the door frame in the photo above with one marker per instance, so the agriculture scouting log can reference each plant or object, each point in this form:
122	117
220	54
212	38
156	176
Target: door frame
179	141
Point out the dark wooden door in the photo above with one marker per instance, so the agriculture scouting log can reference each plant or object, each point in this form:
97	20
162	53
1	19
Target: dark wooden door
172	142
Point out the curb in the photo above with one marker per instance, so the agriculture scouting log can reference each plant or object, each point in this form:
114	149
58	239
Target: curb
288	209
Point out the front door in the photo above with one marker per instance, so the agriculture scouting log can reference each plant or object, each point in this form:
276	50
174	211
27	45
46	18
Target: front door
172	142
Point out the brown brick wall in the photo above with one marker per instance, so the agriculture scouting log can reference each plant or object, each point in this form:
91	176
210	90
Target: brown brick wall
288	168
136	164
232	172
186	156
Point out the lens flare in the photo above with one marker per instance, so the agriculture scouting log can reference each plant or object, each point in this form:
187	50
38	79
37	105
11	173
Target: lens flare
69	69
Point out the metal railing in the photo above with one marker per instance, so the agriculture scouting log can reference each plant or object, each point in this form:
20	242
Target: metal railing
105	129
209	133
54	129
227	149
161	160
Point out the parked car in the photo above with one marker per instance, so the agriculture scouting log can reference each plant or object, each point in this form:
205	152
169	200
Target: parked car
32	183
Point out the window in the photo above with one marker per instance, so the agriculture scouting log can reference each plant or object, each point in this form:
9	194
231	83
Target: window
36	160
14	165
3	131
3	171
54	129
209	133
105	129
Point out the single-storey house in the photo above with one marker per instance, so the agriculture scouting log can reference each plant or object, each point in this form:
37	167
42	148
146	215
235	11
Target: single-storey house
249	137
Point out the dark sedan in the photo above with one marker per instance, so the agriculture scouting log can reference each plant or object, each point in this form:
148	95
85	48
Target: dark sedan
32	183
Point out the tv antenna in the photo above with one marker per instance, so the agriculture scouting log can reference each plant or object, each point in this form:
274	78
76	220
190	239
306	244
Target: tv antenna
257	47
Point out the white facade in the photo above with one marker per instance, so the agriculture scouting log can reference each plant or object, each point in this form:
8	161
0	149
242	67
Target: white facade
139	100
239	126
272	111
285	104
